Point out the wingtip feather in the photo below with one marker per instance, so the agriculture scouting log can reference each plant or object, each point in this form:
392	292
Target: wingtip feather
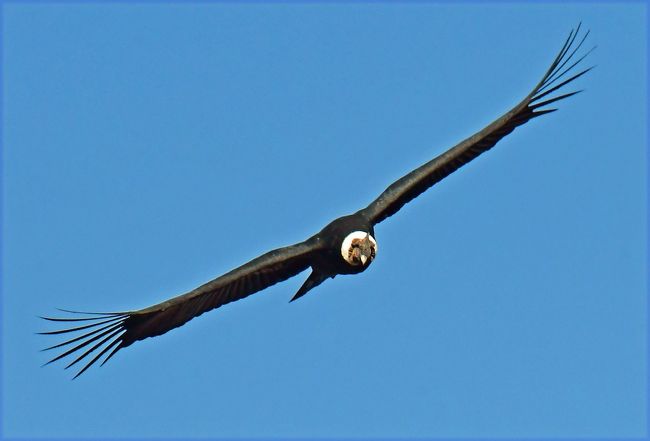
104	327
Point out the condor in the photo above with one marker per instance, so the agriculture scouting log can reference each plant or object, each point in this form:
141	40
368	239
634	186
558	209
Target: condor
346	245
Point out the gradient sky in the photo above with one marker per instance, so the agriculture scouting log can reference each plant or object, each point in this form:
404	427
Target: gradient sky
148	148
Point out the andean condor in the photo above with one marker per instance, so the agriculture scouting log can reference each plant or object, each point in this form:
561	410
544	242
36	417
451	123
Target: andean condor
345	246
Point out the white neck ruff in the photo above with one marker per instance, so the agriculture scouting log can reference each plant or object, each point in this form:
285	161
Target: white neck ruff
347	244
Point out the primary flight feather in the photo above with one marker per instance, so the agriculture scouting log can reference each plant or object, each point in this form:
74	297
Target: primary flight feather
345	246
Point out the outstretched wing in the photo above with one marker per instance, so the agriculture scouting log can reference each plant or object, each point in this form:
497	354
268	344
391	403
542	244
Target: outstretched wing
415	183
103	332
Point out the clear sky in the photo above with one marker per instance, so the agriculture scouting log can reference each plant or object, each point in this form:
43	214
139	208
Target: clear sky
150	148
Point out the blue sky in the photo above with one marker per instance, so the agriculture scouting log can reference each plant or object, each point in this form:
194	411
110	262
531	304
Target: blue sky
148	148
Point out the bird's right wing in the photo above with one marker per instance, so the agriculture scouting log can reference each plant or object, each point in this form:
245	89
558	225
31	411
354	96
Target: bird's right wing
105	331
419	180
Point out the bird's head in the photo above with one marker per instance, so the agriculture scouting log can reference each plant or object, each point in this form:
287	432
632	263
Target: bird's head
359	248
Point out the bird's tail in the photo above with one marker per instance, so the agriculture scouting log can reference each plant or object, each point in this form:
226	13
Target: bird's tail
315	278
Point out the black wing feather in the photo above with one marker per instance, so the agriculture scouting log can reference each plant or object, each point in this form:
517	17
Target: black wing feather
419	180
118	330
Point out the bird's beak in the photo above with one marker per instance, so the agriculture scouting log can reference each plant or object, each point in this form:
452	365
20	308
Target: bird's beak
364	258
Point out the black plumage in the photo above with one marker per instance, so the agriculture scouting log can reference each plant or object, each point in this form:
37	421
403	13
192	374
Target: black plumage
344	246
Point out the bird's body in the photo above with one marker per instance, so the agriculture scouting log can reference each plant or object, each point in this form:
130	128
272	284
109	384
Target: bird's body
337	250
329	259
346	245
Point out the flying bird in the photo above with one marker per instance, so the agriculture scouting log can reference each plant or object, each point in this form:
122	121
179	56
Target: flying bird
346	245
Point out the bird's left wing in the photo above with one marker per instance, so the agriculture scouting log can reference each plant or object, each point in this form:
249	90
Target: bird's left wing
98	333
419	180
